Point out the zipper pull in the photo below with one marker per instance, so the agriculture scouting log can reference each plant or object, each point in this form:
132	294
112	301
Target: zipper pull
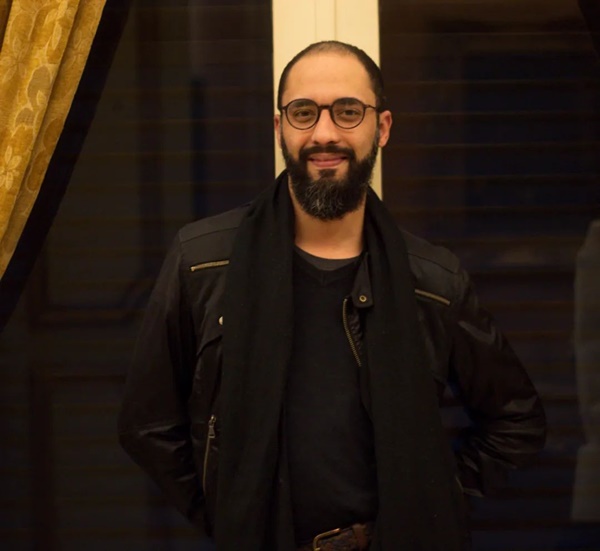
211	426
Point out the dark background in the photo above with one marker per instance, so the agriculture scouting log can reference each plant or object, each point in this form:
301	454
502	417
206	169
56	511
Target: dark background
495	153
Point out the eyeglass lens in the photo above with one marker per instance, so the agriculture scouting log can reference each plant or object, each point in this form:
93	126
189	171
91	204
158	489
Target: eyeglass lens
346	113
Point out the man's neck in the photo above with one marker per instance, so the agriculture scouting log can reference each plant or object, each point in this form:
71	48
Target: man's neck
341	238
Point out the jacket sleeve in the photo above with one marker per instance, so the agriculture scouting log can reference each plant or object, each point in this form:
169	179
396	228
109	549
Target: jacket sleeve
154	427
508	426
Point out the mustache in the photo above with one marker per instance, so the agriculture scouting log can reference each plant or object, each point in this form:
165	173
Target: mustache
308	151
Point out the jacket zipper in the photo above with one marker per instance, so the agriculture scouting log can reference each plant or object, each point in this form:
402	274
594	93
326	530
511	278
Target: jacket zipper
210	436
432	296
204	265
348	334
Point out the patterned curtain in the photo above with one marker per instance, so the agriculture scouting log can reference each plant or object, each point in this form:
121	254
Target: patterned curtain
45	45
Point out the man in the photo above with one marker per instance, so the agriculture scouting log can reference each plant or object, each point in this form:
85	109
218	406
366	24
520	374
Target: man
286	384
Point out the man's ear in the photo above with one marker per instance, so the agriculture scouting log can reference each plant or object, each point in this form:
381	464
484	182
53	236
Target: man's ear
385	125
277	126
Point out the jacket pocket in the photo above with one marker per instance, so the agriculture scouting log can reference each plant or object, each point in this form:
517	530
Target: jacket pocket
206	378
210	466
203	408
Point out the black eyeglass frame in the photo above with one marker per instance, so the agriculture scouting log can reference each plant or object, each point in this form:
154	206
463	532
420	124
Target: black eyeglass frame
329	108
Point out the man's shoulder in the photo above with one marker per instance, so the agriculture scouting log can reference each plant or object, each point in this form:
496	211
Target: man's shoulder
437	271
210	239
436	257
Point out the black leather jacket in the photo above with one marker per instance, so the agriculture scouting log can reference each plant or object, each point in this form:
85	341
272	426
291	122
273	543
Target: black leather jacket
169	421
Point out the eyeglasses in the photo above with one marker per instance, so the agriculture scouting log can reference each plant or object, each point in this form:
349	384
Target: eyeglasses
346	113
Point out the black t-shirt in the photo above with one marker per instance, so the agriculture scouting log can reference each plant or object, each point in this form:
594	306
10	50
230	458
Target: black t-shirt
330	441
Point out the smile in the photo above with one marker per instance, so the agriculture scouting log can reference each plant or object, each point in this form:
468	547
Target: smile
327	161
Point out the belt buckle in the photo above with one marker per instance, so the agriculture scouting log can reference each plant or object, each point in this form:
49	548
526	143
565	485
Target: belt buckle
317	539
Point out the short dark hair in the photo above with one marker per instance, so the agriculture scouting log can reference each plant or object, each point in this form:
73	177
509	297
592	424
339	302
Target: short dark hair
335	46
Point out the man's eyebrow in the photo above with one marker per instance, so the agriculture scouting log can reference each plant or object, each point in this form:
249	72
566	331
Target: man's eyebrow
302	101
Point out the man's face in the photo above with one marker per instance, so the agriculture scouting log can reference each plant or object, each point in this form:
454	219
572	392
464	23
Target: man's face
330	167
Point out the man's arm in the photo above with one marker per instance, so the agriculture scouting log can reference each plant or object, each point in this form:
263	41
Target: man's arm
154	427
508	426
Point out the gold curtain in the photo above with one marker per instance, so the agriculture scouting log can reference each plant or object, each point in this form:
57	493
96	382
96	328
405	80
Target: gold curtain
45	45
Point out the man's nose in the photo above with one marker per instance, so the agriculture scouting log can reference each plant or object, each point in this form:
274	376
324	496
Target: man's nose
325	131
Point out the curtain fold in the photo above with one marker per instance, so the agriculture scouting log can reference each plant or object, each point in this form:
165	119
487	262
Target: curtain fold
4	9
44	50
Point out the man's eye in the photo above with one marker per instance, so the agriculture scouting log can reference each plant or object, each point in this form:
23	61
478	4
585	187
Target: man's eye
303	114
348	113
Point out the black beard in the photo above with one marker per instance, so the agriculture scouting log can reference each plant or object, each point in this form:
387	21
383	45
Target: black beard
329	198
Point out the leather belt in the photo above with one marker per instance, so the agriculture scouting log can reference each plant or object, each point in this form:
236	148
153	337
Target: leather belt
354	538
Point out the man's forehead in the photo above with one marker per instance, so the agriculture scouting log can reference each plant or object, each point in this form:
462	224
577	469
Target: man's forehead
328	73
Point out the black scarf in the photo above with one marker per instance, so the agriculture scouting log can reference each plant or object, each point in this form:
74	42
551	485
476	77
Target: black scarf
420	506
